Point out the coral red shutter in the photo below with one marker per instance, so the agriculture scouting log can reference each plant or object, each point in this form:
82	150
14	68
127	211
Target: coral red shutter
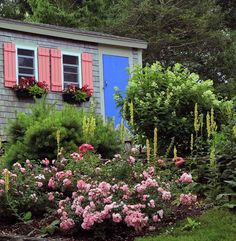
44	66
56	80
9	61
87	73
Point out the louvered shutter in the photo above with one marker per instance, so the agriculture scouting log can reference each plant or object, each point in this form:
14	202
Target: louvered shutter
56	75
44	66
87	72
9	62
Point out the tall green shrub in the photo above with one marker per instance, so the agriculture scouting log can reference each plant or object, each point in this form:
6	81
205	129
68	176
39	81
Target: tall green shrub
165	98
34	135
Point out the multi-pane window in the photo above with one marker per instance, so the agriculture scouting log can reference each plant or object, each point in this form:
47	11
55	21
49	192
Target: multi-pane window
26	63
70	69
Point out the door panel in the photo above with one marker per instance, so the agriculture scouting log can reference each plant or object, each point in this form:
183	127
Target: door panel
114	75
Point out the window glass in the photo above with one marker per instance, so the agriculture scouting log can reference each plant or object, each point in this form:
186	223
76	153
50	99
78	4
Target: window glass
25	52
70	69
26	63
69	59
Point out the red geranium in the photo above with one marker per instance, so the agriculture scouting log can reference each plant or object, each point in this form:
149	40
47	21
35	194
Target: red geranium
179	161
84	148
86	89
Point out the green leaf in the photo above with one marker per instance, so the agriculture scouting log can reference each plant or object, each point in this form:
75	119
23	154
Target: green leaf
231	183
27	216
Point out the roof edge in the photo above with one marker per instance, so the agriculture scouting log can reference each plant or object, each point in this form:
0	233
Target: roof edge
67	33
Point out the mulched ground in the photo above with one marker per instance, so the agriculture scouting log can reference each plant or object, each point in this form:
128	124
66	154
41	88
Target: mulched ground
114	233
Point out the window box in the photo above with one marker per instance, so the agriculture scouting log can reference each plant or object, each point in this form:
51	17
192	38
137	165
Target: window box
75	95
29	88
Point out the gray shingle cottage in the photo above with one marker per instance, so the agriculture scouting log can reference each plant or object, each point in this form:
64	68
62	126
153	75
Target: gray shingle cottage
62	56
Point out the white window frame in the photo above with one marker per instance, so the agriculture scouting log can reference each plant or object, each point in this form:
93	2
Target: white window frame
35	61
79	67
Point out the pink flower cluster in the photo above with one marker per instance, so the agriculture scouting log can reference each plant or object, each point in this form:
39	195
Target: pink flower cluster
186	178
94	202
187	199
2	183
66	222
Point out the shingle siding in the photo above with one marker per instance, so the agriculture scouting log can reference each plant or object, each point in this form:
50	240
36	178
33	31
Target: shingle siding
10	104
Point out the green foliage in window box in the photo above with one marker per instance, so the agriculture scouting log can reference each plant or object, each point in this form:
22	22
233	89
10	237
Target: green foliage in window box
74	94
28	87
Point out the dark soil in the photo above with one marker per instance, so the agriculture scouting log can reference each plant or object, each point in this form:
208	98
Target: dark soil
9	229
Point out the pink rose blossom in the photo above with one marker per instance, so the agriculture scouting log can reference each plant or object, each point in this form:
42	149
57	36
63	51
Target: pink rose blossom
66	182
67	224
76	156
81	184
98	170
39	184
116	217
134	150
160	163
186	178
187	199
45	162
155	218
117	156
151	203
50	196
2	182
60	175
51	183
131	160
166	195
104	186
22	170
160	213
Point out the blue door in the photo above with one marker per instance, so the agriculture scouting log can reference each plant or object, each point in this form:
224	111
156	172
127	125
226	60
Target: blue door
115	74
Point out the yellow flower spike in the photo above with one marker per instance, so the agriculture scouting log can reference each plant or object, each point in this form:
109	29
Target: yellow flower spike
201	117
191	142
84	125
175	152
58	140
234	131
155	143
228	109
111	124
148	149
208	124
91	107
213	157
122	131
124	109
7	181
196	121
92	126
131	113
213	123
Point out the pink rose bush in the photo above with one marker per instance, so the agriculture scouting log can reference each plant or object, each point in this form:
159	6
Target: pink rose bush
87	200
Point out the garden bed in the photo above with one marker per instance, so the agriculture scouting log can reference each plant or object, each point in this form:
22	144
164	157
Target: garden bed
28	232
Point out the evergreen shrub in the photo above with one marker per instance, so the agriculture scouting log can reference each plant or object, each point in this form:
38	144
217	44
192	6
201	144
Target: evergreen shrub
46	130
